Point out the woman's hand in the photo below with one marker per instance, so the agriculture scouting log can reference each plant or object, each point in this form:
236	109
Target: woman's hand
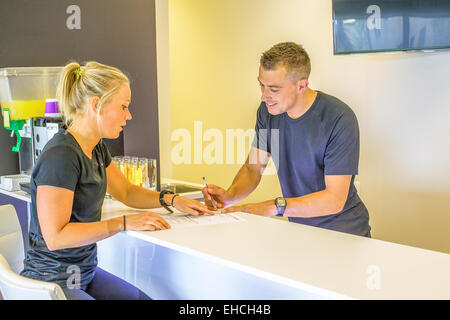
145	221
190	206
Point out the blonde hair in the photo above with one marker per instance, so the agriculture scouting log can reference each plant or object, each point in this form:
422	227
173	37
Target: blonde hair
77	83
290	55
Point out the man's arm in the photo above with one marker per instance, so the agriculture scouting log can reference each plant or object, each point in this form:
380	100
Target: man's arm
331	200
321	203
249	176
245	181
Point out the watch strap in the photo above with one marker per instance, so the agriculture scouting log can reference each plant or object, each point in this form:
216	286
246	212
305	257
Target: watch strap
161	199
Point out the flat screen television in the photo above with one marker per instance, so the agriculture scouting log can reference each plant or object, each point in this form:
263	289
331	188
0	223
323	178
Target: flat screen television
361	26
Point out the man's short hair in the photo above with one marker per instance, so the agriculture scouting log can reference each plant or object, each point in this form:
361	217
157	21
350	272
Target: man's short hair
290	55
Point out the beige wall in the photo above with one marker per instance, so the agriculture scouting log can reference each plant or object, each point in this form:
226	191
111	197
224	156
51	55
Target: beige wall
162	56
401	101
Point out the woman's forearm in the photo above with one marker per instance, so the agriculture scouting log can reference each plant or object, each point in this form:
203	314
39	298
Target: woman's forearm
142	198
76	234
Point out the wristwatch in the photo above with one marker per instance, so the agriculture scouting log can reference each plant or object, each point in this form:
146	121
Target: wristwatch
161	199
280	203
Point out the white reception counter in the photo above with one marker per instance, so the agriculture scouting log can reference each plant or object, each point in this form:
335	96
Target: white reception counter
264	258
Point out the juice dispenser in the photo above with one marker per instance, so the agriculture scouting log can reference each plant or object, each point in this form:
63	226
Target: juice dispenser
24	95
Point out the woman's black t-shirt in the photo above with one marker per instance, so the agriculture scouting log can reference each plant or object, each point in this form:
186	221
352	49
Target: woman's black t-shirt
64	164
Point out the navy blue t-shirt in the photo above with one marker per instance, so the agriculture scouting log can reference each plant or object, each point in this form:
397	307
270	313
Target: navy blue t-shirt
63	164
323	141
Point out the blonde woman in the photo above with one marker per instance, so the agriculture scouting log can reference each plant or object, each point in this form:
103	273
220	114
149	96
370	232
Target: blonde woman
69	182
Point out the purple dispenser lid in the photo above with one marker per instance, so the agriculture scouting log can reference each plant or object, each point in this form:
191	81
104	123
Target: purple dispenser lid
52	109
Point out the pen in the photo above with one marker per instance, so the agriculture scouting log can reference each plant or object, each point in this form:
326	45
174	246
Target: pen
212	199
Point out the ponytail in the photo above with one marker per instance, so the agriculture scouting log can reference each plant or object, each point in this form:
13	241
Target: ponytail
77	83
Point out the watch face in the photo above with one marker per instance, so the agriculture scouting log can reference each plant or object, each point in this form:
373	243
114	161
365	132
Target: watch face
281	202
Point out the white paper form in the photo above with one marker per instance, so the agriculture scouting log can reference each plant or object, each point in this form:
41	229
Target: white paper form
177	221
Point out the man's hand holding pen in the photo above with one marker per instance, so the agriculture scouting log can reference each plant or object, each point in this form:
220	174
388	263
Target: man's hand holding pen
220	196
224	203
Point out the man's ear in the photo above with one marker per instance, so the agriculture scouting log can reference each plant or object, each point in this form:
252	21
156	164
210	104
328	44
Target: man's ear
302	85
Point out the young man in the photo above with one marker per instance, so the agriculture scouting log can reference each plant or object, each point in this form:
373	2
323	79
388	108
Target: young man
313	139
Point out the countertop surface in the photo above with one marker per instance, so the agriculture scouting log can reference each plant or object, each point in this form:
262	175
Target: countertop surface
21	195
323	262
329	263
